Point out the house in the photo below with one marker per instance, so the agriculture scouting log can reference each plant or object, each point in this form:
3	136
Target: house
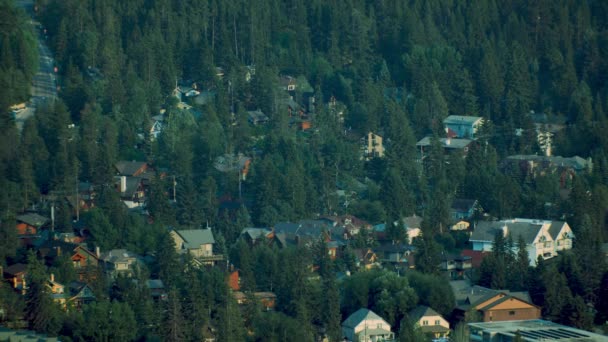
546	127
120	262
535	330
257	117
365	325
157	123
449	145
371	146
394	254
476	256
464	208
29	228
236	163
157	289
56	290
15	275
352	225
288	83
430	322
456	266
306	232
198	243
266	299
543	238
534	165
460	226
254	236
412	225
335	249
492	305
365	258
11	335
463	126
80	294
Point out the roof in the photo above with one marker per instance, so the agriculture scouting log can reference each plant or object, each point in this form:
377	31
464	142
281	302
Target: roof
412	221
15	269
422	311
528	229
155	284
255	233
577	163
129	168
461	119
536	330
476	256
463	204
194	238
555	228
33	219
361	315
117	256
452	143
502	300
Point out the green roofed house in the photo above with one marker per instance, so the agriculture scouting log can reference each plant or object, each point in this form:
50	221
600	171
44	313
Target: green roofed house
365	326
198	242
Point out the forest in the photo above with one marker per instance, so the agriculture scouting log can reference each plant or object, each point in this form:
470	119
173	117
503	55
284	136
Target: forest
396	68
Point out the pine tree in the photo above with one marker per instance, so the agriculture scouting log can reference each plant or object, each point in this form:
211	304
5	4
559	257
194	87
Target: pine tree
173	321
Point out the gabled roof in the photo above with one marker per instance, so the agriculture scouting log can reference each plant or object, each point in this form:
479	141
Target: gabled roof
452	143
33	219
528	229
255	233
361	315
155	284
15	269
507	297
463	204
555	228
412	221
194	238
461	119
129	168
118	256
422	311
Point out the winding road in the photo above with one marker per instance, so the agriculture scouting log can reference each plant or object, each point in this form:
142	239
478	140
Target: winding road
44	84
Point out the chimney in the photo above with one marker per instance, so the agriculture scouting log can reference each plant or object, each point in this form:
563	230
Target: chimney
123	184
97	252
448	141
52	278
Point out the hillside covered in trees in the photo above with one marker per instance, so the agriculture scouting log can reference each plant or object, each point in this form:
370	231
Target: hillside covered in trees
395	68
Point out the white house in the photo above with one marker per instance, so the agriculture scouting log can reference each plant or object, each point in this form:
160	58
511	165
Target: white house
430	322
366	326
462	126
543	238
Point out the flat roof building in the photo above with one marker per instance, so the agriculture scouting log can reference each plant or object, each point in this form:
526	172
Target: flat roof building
530	330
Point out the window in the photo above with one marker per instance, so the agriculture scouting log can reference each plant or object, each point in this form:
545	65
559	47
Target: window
425	322
437	322
511	313
379	325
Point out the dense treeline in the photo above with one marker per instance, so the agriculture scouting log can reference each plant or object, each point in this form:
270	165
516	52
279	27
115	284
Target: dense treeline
395	67
18	55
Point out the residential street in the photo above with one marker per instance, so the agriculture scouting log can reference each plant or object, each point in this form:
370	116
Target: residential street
44	85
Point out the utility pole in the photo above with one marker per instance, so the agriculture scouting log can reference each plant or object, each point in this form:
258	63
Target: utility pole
77	202
174	190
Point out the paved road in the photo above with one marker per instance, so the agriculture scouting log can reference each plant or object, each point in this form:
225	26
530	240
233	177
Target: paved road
44	85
